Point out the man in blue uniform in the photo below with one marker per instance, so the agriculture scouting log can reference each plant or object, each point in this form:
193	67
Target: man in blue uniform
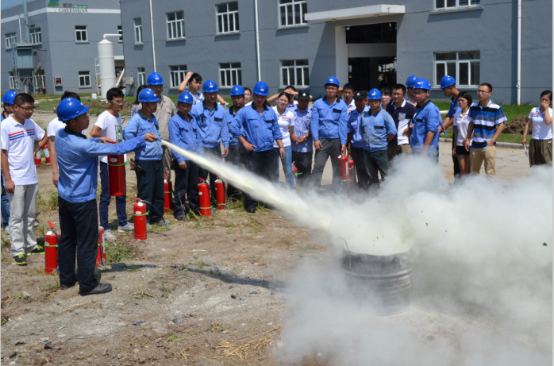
377	128
356	140
425	123
78	167
328	128
302	144
448	86
256	128
183	132
149	167
213	131
237	153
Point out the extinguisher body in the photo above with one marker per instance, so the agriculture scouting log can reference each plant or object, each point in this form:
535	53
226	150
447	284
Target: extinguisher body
46	154
116	175
139	210
220	194
100	254
38	159
167	197
294	173
341	167
50	252
351	172
204	199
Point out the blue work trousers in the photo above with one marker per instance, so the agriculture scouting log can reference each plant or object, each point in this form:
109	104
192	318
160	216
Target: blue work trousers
263	164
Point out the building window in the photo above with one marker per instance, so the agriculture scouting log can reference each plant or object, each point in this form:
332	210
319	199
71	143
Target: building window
10	40
138	30
463	66
228	17
449	4
141	73
176	25
230	75
84	79
13	82
177	74
120	31
295	72
35	34
293	12
81	33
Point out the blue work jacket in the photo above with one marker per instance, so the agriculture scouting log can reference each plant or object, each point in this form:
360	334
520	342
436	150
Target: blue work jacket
375	128
186	135
354	127
228	118
77	160
329	120
210	124
138	126
261	130
302	122
427	118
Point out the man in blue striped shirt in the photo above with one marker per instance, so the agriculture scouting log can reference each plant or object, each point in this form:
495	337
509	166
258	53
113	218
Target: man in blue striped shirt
486	124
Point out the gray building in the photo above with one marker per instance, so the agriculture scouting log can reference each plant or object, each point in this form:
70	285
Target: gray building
60	51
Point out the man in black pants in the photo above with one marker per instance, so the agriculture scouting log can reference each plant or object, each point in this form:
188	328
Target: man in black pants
448	86
302	144
356	140
78	166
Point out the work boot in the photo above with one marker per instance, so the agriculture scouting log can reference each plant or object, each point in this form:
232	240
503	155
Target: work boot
126	228
251	209
108	235
102	288
180	217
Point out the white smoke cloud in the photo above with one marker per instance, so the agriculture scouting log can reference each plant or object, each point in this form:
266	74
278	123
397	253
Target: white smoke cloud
482	270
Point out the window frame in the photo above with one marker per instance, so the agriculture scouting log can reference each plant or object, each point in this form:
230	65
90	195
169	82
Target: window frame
457	63
227	14
470	4
120	31
303	21
228	84
181	73
305	73
34	35
81	31
11	40
176	21
139	28
141	74
84	76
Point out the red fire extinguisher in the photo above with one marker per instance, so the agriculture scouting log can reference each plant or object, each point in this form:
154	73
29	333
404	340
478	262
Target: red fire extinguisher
101	254
167	195
351	172
204	198
220	194
51	250
139	209
38	159
46	154
116	175
343	168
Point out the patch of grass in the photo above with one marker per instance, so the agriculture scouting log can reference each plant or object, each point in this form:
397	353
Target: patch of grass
25	298
5	240
303	248
141	294
237	203
229	231
172	337
201	264
164	288
131	268
504	137
182	267
118	252
255	225
49	200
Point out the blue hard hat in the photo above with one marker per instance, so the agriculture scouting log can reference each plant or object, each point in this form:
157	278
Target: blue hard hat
147	95
185	97
423	84
70	108
237	90
210	86
9	97
411	81
155	79
261	88
447	81
374	94
332	81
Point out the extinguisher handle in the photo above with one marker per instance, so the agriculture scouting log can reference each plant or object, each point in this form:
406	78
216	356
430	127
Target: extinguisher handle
51	225
136	199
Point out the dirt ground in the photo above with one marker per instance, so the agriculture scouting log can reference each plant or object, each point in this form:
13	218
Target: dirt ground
205	292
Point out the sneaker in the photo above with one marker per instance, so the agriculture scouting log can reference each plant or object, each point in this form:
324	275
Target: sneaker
108	235
20	260
38	250
126	229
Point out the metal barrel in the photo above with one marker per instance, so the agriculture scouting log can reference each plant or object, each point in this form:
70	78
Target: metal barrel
383	282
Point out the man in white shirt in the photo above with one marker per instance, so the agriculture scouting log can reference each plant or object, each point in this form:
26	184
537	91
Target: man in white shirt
348	92
53	126
19	134
109	125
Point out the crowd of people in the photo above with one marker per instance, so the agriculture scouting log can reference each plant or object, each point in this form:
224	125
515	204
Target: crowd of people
256	132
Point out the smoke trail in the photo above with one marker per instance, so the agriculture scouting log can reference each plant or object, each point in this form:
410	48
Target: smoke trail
482	274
